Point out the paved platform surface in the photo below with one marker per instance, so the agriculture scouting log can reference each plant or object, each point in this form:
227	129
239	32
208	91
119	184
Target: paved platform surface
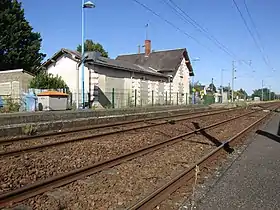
253	180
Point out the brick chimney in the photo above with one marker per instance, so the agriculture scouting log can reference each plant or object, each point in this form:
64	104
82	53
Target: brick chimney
147	47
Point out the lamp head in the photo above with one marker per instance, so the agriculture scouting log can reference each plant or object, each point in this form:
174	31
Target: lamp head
88	4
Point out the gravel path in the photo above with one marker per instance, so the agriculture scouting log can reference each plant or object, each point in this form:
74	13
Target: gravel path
30	167
121	186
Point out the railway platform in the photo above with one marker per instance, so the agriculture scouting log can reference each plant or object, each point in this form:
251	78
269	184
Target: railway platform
252	180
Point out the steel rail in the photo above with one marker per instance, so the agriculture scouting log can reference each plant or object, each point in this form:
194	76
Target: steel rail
40	187
92	136
21	138
157	196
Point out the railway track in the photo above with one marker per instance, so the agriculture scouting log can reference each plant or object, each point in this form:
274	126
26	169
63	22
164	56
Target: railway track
106	125
147	123
53	182
156	197
27	168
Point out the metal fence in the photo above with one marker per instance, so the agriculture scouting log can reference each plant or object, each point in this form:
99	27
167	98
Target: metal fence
118	98
122	98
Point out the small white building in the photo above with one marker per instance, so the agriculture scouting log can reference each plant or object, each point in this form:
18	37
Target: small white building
52	100
139	79
13	82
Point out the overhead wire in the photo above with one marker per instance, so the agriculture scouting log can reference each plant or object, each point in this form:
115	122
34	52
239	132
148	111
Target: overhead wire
209	35
186	18
194	23
251	33
190	20
171	24
256	31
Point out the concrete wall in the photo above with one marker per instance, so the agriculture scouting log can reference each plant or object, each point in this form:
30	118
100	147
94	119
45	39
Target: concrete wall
13	82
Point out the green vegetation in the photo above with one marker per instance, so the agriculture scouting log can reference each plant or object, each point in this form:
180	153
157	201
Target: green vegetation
19	45
267	94
91	46
47	81
29	129
10	105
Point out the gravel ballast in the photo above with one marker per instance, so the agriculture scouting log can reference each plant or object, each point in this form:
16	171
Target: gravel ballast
122	185
30	167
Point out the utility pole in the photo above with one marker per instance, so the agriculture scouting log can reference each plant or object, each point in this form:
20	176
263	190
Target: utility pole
228	91
262	90
232	82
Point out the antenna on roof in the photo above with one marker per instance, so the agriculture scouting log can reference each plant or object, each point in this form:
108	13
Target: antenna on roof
147	26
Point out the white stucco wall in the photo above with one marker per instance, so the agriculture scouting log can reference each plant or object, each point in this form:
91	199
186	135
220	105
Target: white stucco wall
67	69
181	84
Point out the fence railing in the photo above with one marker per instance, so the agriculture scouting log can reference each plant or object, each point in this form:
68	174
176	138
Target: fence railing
116	98
122	98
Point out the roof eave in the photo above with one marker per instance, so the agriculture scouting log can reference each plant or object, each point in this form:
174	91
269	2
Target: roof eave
188	63
129	69
55	57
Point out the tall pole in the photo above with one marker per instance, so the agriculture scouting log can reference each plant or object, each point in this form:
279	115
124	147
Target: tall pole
228	97
193	93
269	93
232	81
82	55
78	87
222	89
262	90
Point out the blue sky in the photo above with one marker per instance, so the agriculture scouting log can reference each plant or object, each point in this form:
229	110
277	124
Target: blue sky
120	27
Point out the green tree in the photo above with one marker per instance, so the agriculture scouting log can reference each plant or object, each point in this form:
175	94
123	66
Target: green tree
19	45
212	88
91	46
267	94
47	81
241	94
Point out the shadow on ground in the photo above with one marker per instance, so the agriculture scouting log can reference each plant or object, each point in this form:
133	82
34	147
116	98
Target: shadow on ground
269	135
214	140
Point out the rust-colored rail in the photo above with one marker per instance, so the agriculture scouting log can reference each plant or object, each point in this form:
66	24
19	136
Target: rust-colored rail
53	182
92	136
156	197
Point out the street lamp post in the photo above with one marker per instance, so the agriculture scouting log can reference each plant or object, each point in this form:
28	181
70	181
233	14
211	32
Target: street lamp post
87	4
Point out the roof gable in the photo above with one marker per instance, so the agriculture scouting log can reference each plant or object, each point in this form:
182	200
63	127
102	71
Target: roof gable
74	55
162	61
